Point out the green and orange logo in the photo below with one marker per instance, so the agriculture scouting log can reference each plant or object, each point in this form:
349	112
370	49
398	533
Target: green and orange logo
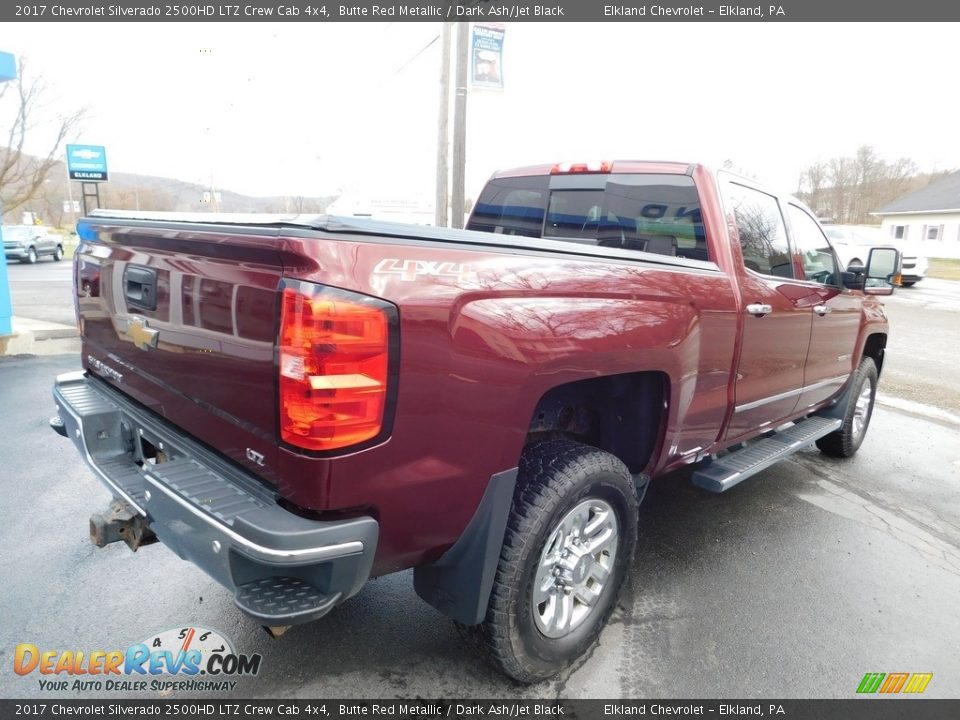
893	683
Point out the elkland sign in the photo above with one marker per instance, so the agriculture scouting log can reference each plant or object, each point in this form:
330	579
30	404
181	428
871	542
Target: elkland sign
87	163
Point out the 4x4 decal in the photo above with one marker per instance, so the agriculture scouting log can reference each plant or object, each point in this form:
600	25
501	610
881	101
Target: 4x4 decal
410	270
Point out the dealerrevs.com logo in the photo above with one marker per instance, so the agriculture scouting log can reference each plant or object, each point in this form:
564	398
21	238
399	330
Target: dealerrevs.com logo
188	659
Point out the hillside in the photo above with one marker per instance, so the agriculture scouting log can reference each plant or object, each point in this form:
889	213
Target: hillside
128	191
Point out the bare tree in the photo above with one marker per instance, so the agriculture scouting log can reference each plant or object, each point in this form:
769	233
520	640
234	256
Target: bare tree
26	113
48	203
812	180
848	189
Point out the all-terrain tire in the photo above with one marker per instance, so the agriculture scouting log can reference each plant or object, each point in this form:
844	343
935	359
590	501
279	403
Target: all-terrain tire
845	442
556	478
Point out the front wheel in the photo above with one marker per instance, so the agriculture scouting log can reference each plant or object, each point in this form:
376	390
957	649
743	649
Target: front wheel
908	283
31	256
846	441
567	549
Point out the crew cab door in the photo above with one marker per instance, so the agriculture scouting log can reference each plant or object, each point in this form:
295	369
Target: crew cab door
777	310
836	313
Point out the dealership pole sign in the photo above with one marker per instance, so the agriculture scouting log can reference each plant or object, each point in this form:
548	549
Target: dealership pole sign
87	163
486	56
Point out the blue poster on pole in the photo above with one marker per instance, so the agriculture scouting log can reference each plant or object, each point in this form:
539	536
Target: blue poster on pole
487	56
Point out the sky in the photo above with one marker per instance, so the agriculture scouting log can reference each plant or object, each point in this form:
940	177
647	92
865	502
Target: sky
315	109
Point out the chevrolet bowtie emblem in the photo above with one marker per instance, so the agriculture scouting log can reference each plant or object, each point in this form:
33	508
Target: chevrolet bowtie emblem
143	337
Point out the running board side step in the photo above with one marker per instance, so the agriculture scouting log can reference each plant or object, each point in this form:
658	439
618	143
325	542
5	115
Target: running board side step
723	473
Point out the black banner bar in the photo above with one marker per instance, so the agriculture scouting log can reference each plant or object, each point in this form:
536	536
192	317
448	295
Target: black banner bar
872	708
482	11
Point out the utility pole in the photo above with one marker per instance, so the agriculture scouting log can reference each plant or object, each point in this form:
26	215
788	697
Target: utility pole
66	170
441	211
460	126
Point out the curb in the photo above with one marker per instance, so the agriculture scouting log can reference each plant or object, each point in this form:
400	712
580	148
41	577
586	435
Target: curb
37	337
55	333
27	332
19	343
926	412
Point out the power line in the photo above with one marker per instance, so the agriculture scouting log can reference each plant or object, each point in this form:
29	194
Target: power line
419	53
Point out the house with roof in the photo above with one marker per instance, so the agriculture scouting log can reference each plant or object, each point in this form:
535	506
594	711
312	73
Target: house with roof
927	219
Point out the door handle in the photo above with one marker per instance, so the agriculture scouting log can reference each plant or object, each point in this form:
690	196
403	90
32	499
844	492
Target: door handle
141	287
822	310
759	309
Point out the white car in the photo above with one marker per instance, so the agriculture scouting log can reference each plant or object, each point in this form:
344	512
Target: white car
852	247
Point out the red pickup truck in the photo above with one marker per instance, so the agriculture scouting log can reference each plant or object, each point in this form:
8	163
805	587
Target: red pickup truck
298	404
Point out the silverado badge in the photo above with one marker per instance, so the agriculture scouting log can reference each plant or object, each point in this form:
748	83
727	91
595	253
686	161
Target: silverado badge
143	337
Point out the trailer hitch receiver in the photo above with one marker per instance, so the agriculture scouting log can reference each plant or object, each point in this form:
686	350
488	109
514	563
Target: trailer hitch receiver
120	522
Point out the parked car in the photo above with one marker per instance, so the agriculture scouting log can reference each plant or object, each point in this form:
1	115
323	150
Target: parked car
852	247
28	243
298	404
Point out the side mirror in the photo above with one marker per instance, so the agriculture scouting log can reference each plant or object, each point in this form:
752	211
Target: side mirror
853	279
883	271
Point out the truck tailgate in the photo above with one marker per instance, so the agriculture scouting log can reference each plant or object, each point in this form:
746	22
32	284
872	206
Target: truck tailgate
185	322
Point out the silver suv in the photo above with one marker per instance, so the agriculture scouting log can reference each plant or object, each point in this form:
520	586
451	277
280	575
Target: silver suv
28	243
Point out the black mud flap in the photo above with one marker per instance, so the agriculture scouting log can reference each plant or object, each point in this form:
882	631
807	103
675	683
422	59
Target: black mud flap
459	583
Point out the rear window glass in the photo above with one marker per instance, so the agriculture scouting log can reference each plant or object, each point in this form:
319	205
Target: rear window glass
512	206
649	212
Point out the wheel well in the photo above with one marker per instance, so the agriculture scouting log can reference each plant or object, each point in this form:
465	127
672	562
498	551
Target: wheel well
621	414
874	348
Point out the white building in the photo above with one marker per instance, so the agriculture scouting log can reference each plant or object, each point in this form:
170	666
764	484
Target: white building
927	221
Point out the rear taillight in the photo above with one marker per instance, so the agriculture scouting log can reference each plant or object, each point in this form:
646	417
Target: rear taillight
334	363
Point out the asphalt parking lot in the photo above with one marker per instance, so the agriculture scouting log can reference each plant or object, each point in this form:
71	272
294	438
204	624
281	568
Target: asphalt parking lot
794	584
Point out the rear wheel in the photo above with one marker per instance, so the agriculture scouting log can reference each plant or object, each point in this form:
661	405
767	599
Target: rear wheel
847	440
568	545
58	253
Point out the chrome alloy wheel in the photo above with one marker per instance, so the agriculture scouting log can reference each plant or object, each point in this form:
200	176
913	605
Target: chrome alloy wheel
574	567
861	413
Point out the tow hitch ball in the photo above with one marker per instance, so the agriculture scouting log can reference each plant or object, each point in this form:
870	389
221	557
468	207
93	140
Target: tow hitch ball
120	522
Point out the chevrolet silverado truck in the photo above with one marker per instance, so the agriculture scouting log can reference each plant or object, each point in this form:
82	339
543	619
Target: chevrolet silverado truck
299	404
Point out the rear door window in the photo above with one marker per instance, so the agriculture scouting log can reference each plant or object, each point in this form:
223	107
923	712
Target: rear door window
647	212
